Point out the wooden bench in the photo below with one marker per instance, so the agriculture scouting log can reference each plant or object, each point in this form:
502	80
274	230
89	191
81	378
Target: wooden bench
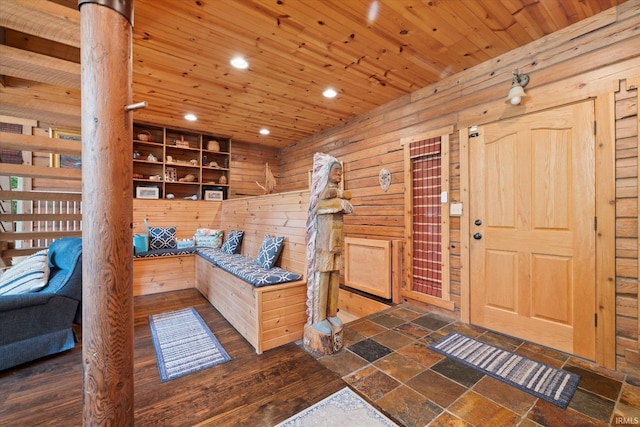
164	274
267	316
272	315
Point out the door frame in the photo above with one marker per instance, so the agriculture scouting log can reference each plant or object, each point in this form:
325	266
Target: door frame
605	237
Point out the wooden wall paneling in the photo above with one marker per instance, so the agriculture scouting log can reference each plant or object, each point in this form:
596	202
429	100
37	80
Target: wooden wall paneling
367	264
605	233
186	214
358	305
397	270
248	167
627	240
279	214
171	274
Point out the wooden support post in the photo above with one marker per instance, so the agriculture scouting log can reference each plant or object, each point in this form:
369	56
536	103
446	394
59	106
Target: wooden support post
107	317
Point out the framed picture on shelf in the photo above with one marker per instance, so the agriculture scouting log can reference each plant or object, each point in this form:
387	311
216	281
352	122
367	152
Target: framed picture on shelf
213	195
65	160
170	174
147	193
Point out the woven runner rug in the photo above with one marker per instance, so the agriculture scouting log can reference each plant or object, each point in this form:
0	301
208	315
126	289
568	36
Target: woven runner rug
554	385
184	343
342	409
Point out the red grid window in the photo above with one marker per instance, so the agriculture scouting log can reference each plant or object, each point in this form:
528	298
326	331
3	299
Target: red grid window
427	228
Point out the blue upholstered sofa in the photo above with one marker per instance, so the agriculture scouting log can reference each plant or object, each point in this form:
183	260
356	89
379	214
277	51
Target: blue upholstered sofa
38	324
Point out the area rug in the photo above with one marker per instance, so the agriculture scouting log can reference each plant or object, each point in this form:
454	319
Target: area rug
184	343
342	409
554	385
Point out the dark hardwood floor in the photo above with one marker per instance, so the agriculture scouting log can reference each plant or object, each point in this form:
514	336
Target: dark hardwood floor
249	390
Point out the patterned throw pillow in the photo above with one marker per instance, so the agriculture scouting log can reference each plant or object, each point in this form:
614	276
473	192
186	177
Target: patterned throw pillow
269	251
162	238
208	238
29	275
232	243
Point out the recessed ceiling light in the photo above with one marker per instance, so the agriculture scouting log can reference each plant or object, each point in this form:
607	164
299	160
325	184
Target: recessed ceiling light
239	62
264	131
191	117
329	93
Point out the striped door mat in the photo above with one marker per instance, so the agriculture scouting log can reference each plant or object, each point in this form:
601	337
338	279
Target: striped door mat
554	385
184	343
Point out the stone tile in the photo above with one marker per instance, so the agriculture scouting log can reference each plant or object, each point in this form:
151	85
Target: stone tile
370	350
627	411
392	339
480	411
371	382
432	322
351	336
388	320
437	388
405	313
630	395
503	394
596	383
412	330
529	423
547	414
542	354
592	405
447	419
399	367
434	336
367	328
458	372
463	328
419	352
408	407
501	341
344	362
585	364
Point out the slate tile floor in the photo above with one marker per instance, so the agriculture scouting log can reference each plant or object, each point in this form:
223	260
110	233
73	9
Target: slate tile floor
386	359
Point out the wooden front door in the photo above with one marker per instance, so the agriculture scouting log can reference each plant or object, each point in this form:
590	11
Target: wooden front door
533	228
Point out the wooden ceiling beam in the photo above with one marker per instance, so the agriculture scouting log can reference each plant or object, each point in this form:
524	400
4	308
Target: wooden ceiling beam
19	102
40	68
43	19
16	141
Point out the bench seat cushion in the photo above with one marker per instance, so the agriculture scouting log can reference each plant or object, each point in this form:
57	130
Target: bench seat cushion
166	252
246	268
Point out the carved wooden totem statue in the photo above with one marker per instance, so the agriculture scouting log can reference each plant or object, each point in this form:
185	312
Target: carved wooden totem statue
328	203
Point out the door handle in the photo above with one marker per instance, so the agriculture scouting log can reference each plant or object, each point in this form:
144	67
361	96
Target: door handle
477	236
478	222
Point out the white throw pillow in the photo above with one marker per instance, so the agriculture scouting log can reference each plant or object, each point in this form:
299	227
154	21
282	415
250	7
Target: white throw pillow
29	275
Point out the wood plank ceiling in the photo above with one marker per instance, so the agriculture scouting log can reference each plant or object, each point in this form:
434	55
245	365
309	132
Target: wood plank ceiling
370	51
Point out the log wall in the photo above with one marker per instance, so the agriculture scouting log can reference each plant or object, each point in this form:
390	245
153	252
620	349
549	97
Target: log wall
187	215
627	287
248	167
586	60
280	214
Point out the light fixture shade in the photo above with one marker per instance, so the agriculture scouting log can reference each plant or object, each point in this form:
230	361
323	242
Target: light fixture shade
516	93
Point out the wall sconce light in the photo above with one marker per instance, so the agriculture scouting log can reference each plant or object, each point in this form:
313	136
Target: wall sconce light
516	93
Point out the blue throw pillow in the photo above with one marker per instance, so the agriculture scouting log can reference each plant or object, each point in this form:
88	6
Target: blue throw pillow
162	238
232	243
269	251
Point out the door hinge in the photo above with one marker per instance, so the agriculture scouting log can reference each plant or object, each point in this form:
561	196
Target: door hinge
595	223
595	127
595	319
